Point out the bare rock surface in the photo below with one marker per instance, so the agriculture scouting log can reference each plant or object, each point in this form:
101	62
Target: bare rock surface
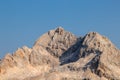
56	41
60	55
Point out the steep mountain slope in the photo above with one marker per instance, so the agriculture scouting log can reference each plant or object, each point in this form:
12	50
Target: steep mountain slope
60	55
56	41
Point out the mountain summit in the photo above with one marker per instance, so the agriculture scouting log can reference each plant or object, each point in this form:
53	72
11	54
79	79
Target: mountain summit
60	55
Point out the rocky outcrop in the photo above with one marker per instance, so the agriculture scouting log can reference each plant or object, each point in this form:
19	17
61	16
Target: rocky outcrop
56	41
106	56
60	55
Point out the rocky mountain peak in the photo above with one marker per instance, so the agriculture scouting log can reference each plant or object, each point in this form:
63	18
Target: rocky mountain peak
59	30
56	41
104	52
60	55
95	39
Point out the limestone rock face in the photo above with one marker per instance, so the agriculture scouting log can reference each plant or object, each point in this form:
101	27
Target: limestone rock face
107	56
56	41
60	55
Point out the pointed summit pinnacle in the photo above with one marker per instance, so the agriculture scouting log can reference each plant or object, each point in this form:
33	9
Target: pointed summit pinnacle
59	30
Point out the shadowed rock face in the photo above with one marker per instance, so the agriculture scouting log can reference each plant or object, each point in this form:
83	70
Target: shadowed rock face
60	55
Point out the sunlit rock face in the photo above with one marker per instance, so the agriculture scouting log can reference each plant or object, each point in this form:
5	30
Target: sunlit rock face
60	55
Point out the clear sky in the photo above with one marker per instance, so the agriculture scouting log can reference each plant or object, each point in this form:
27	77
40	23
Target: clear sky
24	21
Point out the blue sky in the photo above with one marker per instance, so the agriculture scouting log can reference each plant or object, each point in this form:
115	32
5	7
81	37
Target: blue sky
24	21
